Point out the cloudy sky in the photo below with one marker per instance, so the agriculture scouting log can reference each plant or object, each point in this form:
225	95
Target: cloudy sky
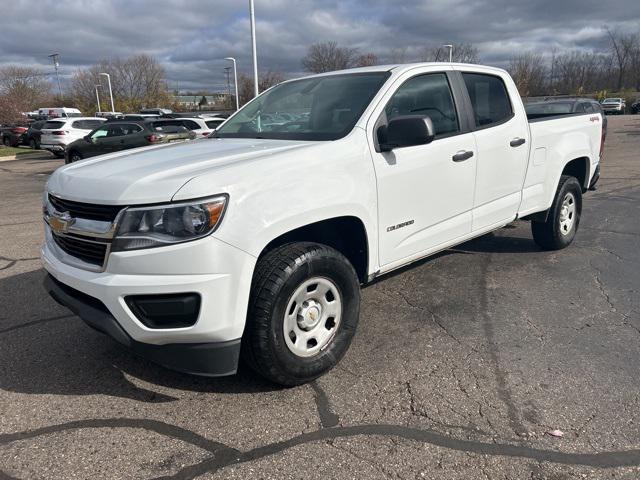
191	38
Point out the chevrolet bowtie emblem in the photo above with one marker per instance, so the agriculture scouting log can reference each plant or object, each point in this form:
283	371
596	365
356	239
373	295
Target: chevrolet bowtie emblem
60	222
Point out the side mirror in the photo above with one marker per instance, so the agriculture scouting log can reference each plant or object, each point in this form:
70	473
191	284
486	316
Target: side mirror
407	131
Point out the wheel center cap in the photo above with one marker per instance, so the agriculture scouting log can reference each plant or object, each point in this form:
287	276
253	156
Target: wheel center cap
309	315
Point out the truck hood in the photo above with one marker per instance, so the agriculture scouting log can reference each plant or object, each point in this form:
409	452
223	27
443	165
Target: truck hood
154	174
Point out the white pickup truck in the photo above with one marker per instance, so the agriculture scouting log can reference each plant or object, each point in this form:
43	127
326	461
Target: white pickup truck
255	242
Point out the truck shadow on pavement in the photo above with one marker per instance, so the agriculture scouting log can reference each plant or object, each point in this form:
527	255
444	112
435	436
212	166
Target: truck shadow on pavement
44	349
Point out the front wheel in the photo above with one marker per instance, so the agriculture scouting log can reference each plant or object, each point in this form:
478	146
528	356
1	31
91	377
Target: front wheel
74	156
564	216
303	313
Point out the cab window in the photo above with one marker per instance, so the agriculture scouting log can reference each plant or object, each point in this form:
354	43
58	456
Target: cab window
489	99
428	95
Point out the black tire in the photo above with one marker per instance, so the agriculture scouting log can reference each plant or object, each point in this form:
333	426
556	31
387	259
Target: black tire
552	235
278	275
74	156
6	141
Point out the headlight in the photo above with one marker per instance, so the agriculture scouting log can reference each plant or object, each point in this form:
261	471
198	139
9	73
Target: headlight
145	227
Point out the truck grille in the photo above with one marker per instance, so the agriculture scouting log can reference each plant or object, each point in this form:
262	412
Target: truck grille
93	252
90	211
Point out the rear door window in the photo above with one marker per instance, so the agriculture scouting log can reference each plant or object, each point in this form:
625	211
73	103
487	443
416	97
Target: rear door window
190	124
86	124
489	99
213	123
53	125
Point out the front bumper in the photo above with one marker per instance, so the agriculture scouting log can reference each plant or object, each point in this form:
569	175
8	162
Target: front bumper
175	269
208	359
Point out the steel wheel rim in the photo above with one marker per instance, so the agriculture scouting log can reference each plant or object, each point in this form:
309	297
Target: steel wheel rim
312	317
567	213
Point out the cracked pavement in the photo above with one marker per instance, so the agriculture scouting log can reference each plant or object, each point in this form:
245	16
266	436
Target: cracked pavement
461	366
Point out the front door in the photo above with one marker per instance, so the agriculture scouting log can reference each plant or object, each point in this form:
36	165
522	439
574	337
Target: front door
425	192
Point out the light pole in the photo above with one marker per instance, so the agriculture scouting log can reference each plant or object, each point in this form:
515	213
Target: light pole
450	47
98	98
252	14
54	57
235	80
113	109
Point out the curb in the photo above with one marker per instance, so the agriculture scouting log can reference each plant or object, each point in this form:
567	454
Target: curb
27	156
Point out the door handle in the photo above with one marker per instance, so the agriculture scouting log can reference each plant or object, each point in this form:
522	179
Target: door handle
462	155
516	142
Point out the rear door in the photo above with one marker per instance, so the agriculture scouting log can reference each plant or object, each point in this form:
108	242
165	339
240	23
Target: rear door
425	192
123	136
502	140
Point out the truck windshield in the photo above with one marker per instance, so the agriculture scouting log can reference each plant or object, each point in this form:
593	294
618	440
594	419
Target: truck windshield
319	108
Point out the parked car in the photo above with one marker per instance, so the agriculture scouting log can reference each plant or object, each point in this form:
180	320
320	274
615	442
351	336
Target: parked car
33	134
137	116
255	242
635	107
59	112
213	122
11	136
197	125
109	114
614	105
156	111
57	134
123	135
565	106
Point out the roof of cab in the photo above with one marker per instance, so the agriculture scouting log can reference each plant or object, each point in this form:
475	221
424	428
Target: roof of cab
401	67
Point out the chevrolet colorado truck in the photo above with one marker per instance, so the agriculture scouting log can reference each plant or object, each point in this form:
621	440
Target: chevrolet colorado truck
254	243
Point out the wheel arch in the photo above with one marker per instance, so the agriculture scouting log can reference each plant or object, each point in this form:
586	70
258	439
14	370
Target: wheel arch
579	168
347	234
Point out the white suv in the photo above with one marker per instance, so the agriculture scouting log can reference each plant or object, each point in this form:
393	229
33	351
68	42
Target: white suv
58	133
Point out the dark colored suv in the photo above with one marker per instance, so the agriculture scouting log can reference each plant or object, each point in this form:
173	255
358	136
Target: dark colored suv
122	135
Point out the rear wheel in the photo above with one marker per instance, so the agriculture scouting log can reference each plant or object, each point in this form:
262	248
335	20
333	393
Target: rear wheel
303	313
564	216
6	141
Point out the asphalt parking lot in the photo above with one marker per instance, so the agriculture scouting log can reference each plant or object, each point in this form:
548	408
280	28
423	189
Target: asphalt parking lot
461	366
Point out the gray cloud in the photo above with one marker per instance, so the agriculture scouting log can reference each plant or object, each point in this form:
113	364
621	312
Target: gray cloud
191	38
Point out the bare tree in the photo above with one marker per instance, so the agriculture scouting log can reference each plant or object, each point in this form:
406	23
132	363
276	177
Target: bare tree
22	89
575	72
622	47
462	53
137	82
266	80
529	72
328	56
399	55
366	60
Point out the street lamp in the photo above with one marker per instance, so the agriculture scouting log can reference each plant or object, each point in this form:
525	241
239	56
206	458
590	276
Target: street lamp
113	109
252	14
98	98
235	80
450	47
